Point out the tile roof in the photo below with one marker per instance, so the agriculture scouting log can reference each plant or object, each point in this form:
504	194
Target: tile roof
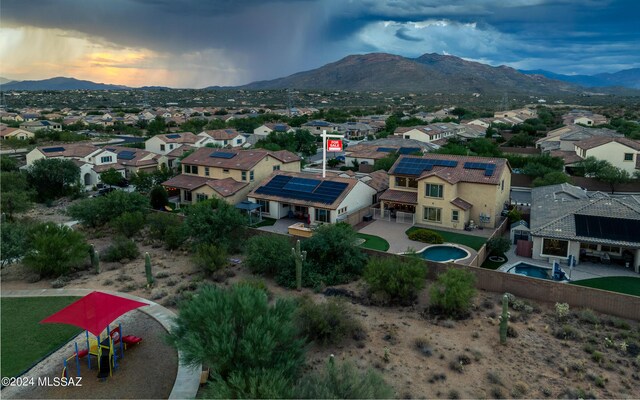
222	134
188	182
461	204
243	159
105	167
140	157
569	157
379	180
400	196
226	187
369	149
179	137
600	140
79	150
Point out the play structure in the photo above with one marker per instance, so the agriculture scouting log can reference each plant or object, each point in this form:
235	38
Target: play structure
94	313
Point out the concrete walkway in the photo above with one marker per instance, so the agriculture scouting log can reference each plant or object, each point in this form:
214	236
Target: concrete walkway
187	380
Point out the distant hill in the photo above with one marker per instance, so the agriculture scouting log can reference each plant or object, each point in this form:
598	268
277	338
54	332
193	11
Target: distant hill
629	78
4	81
60	83
427	73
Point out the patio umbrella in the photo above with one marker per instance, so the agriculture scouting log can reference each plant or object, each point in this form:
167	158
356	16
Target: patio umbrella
94	312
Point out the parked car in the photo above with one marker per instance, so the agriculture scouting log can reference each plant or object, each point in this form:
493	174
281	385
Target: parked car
123	183
340	158
105	191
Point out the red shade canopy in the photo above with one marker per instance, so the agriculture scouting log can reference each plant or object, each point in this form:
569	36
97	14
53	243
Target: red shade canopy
94	312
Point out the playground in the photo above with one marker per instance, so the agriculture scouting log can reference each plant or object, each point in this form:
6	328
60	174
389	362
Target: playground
144	370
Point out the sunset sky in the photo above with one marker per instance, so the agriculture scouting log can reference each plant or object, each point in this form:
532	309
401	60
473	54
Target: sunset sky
198	43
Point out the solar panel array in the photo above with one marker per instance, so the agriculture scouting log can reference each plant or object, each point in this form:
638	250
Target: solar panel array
53	149
222	154
127	155
488	168
385	149
607	228
303	189
173	136
408	150
415	166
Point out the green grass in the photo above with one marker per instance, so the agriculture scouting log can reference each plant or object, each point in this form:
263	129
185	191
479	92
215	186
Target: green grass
265	222
472	241
24	340
620	284
373	242
493	264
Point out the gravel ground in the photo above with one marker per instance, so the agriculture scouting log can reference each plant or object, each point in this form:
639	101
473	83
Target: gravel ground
147	371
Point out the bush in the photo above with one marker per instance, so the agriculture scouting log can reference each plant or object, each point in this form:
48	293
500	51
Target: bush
498	245
216	221
159	222
329	322
332	258
426	236
129	223
453	292
343	381
267	254
159	197
55	250
14	241
98	211
400	281
210	257
122	248
175	236
246	342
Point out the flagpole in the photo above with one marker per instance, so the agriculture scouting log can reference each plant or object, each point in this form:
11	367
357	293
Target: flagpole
324	153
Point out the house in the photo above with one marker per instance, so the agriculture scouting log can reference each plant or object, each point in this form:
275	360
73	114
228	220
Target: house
448	191
28	117
316	127
267	128
356	130
37	125
165	144
583	117
567	221
564	138
228	174
15	133
430	133
224	137
520	113
310	197
621	152
370	151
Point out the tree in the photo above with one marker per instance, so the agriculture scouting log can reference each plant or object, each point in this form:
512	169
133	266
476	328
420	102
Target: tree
14	242
498	245
613	176
551	178
15	194
386	162
8	164
98	211
143	181
521	140
216	221
452	293
157	126
400	281
591	166
159	197
53	178
55	250
111	177
266	254
249	345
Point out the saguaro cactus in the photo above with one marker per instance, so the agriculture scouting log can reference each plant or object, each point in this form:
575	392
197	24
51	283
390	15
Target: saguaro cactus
504	319
147	268
299	257
95	259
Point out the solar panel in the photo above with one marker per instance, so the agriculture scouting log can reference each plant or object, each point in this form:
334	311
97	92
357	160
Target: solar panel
408	150
288	187
222	154
53	149
127	155
607	228
301	185
173	136
385	149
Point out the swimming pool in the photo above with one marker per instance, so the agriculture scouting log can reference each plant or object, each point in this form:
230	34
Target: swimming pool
531	270
443	253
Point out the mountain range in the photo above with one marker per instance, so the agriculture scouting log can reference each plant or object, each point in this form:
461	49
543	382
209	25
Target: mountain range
393	73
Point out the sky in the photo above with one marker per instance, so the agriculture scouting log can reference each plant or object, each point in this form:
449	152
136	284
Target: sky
199	43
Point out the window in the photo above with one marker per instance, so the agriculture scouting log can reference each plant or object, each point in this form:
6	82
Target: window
244	175
265	206
323	215
238	141
276	168
407	136
226	171
401	181
610	249
589	246
434	190
201	197
187	195
413	183
502	185
555	247
432	214
455	215
342	210
628	156
206	171
194	169
161	147
226	142
251	176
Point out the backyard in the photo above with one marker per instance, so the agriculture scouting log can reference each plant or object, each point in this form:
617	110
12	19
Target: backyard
475	242
373	242
620	284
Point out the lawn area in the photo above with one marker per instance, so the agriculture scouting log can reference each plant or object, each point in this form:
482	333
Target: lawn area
24	341
472	241
620	284
265	222
373	242
494	264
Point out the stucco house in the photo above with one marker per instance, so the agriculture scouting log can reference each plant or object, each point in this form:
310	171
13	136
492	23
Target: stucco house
521	113
267	128
316	127
564	138
567	221
15	133
310	197
430	133
621	152
224	137
165	144
448	191
370	151
583	117
227	174
33	126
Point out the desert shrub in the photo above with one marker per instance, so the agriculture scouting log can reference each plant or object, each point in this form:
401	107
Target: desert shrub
159	222
587	315
399	280
566	331
245	341
562	311
158	197
129	223
121	248
424	347
343	381
494	378
328	322
98	211
14	241
55	249
452	293
426	236
498	245
256	284
175	236
216	221
210	257
267	254
332	258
